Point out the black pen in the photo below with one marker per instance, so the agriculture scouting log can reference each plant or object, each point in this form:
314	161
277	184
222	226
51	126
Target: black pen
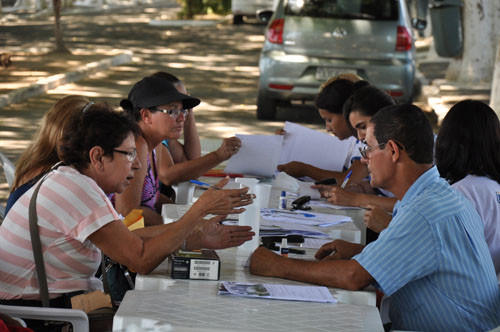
296	251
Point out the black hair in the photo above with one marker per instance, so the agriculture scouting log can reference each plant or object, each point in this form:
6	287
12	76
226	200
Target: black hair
169	77
133	112
407	126
333	96
367	100
100	126
469	142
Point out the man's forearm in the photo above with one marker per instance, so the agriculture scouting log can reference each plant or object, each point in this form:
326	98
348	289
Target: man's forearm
346	274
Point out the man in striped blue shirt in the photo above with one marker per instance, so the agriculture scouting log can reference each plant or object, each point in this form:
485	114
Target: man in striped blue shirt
432	259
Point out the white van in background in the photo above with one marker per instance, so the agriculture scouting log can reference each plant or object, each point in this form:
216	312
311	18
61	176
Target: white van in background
242	8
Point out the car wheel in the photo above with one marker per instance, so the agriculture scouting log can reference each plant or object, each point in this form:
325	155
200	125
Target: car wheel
266	107
237	19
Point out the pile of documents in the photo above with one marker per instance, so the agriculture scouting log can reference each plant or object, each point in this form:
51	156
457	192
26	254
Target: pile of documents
277	292
277	222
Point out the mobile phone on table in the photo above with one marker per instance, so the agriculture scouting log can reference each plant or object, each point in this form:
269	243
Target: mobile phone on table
328	181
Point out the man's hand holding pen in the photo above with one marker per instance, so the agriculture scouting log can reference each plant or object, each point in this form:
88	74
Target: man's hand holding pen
338	249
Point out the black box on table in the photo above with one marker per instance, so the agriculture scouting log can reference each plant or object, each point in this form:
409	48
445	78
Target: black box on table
196	265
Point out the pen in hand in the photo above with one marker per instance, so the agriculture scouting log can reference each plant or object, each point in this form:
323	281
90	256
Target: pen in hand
346	180
204	184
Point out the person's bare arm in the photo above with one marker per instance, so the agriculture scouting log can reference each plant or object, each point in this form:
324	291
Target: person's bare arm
171	173
346	274
298	169
339	196
191	149
130	198
144	254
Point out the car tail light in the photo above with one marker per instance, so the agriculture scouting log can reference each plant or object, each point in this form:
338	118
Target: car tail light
395	93
281	86
403	40
275	31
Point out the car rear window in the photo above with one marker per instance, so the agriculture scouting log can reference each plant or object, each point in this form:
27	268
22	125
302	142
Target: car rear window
346	9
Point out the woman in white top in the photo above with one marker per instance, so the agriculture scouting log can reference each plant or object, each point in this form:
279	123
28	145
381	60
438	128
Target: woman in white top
468	156
329	102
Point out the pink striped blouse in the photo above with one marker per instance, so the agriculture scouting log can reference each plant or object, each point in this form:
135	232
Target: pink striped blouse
70	207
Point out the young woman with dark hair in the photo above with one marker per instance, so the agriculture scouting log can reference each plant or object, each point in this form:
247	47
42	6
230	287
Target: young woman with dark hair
357	111
329	103
362	105
468	156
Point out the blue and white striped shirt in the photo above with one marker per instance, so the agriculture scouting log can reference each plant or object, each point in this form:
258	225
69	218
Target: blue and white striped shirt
434	262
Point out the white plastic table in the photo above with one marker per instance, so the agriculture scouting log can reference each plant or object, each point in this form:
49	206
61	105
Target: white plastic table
195	306
160	302
349	231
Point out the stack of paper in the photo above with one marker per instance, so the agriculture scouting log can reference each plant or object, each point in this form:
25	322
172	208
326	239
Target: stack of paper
304	218
277	292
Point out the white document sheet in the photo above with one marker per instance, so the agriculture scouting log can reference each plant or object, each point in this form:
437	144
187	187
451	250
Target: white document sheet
315	148
306	190
258	155
277	291
324	203
303	217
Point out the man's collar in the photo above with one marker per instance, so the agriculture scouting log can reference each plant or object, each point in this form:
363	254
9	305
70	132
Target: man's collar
429	176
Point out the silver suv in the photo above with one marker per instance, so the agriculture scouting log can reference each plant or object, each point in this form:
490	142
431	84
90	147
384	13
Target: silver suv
309	41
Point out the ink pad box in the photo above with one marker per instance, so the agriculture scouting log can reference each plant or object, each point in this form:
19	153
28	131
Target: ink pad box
196	265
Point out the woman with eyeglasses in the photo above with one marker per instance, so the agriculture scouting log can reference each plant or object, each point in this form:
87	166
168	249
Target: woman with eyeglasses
182	162
357	111
42	153
77	222
468	156
159	109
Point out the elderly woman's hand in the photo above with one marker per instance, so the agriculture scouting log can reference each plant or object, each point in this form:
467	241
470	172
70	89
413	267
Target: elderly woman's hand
228	148
376	218
224	201
214	235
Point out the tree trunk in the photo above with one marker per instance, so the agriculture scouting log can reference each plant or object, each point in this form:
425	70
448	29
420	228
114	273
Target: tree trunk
189	8
60	48
480	36
495	87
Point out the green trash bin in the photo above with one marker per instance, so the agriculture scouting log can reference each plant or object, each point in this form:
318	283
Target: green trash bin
447	27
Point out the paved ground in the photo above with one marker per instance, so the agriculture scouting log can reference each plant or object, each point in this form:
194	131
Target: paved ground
218	62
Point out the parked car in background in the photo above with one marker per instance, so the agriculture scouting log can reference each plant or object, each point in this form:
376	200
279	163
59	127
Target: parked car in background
309	41
241	8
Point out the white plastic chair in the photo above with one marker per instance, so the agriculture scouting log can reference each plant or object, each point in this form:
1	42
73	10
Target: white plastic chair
9	171
77	318
8	168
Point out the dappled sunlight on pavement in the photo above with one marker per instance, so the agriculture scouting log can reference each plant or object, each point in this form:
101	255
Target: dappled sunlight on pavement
218	63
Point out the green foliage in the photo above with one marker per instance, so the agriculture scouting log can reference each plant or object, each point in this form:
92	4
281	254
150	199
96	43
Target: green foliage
196	7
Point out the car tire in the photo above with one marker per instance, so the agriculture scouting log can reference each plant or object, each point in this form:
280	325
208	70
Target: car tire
266	107
237	19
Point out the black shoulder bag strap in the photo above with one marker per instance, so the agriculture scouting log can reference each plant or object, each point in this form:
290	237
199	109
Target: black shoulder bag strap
37	248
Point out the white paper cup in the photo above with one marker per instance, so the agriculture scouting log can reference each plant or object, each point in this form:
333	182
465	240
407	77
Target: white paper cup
262	193
247	182
184	193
